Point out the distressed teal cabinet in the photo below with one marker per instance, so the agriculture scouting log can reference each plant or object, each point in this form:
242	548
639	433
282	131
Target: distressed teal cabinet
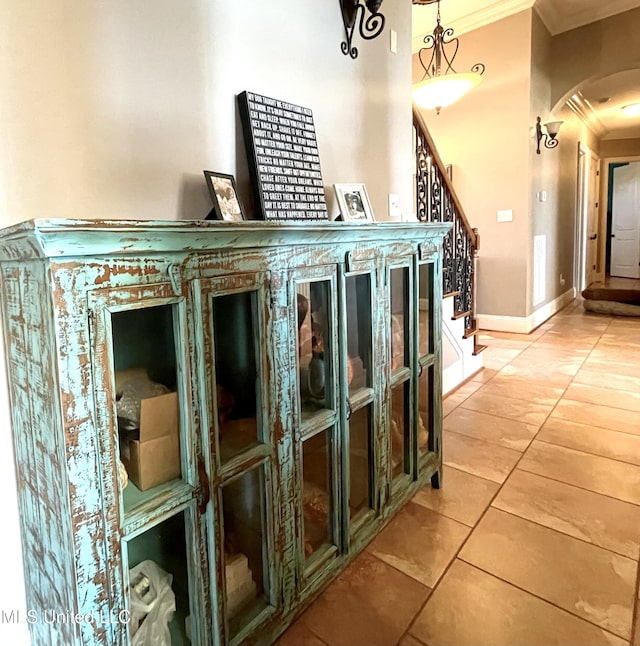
243	405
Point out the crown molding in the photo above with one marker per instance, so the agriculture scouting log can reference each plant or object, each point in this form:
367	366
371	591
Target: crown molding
480	18
496	11
586	113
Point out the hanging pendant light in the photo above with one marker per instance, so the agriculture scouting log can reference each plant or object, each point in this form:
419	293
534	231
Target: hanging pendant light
441	85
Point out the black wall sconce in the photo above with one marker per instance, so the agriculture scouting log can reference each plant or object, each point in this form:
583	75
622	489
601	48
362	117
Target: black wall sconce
550	141
353	13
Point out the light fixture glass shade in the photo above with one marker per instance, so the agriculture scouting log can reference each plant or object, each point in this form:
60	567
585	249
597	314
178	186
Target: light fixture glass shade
553	128
441	91
632	110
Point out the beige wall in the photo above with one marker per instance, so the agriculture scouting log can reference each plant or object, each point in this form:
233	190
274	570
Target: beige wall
117	107
594	51
486	138
619	147
113	109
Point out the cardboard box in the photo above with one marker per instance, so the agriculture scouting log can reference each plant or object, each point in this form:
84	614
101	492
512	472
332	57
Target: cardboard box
154	456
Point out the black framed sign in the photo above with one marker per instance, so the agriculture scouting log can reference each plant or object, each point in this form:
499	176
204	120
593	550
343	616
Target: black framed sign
283	158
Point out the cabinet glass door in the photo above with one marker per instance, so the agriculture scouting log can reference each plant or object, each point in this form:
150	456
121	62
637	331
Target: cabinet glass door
141	336
400	327
426	356
360	386
317	416
236	324
140	340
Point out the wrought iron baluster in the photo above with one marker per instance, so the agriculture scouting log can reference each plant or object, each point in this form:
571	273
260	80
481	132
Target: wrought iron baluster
434	203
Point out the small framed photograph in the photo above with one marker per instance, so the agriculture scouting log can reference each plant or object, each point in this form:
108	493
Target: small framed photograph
354	202
224	194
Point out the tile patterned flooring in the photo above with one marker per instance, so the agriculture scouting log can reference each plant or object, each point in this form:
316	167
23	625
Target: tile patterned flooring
534	539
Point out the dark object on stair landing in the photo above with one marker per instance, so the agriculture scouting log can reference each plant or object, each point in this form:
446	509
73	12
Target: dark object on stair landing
622	302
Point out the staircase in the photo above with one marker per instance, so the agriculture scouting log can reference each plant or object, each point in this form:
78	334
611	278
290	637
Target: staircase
436	201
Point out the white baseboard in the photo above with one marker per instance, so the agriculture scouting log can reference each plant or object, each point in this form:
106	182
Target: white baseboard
522	324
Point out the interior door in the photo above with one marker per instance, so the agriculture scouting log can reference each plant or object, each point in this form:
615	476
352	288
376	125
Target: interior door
592	220
625	227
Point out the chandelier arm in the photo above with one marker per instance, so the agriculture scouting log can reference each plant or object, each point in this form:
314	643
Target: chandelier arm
448	60
425	67
478	68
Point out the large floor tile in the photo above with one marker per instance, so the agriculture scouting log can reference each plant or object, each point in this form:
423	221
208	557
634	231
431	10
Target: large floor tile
590	439
617	382
537	374
517	409
625	368
410	640
420	543
468	388
473	608
299	635
497	430
513	336
615	419
369	603
636	638
604	396
591	517
484	375
463	497
537	393
586	580
479	458
592	472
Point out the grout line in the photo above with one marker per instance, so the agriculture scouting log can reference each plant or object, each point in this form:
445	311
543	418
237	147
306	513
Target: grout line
597	455
490	442
537	473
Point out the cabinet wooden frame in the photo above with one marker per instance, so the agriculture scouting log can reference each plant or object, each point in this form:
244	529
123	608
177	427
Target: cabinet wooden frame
60	283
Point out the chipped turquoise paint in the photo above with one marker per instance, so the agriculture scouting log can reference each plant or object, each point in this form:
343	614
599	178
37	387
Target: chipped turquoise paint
62	279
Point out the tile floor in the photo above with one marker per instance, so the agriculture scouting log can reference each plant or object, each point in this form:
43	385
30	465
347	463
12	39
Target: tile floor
534	538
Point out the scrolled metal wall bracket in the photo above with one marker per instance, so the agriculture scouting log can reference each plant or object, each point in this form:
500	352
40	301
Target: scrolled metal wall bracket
354	14
548	138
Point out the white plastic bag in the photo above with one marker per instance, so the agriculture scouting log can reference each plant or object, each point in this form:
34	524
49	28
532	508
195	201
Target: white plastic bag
152	604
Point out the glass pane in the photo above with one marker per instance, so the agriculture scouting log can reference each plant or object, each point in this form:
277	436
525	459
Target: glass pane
147	401
425	283
358	331
399	429
314	345
317	492
399	317
424	410
245	548
360	462
236	367
158	573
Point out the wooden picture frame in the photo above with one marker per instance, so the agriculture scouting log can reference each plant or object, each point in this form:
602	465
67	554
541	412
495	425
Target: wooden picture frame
354	202
224	195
